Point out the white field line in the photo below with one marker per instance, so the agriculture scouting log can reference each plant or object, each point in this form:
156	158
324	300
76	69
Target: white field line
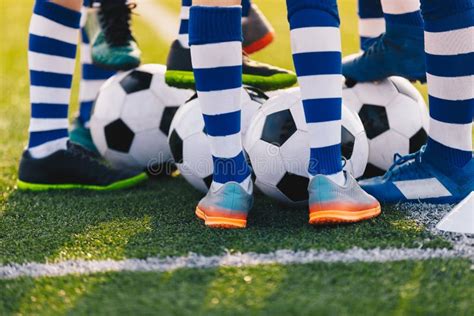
163	21
194	261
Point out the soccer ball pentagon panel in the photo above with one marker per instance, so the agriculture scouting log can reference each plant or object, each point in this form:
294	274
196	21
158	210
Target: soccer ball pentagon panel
188	140
132	116
278	146
395	119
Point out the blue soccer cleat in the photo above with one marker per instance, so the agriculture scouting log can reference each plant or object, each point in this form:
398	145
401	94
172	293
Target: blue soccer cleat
420	178
226	207
398	52
330	203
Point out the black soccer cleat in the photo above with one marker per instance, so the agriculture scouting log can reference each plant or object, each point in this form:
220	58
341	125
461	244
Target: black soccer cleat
266	77
73	168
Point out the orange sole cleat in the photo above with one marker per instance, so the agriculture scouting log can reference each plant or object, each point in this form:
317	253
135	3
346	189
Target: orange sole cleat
220	221
259	44
325	217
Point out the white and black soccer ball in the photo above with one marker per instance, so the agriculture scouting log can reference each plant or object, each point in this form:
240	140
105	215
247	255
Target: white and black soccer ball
188	139
395	119
132	116
277	143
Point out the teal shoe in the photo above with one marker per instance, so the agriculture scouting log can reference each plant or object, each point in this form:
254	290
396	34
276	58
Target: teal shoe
112	43
226	207
81	135
330	203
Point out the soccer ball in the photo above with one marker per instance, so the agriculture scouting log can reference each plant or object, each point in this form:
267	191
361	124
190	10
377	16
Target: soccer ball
188	140
132	116
277	143
395	119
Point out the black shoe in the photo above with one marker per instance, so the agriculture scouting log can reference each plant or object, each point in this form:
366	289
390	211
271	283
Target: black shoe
73	168
113	45
266	77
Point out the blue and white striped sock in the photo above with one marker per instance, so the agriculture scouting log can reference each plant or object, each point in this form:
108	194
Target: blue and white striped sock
402	12
93	77
449	46
215	36
316	47
183	35
371	21
53	39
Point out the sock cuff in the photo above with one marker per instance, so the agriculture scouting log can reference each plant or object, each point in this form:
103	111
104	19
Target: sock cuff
57	13
412	18
436	9
328	6
327	160
215	24
442	155
450	22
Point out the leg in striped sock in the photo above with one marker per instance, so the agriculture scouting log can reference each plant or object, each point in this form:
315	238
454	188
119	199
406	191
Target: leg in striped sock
371	21
183	35
51	161
92	77
51	58
449	42
334	196
215	39
316	47
443	171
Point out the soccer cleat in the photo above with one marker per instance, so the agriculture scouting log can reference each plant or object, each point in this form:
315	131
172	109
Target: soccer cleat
112	43
257	31
266	77
398	52
81	135
73	168
420	178
330	203
226	207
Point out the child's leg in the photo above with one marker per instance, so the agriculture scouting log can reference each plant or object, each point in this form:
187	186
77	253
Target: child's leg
316	47
215	38
449	45
443	172
334	196
92	76
183	36
52	53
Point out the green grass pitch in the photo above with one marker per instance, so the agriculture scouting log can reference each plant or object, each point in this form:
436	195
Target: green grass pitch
157	219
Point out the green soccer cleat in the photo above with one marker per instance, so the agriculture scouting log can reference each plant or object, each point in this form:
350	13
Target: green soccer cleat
266	77
73	168
81	135
112	43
